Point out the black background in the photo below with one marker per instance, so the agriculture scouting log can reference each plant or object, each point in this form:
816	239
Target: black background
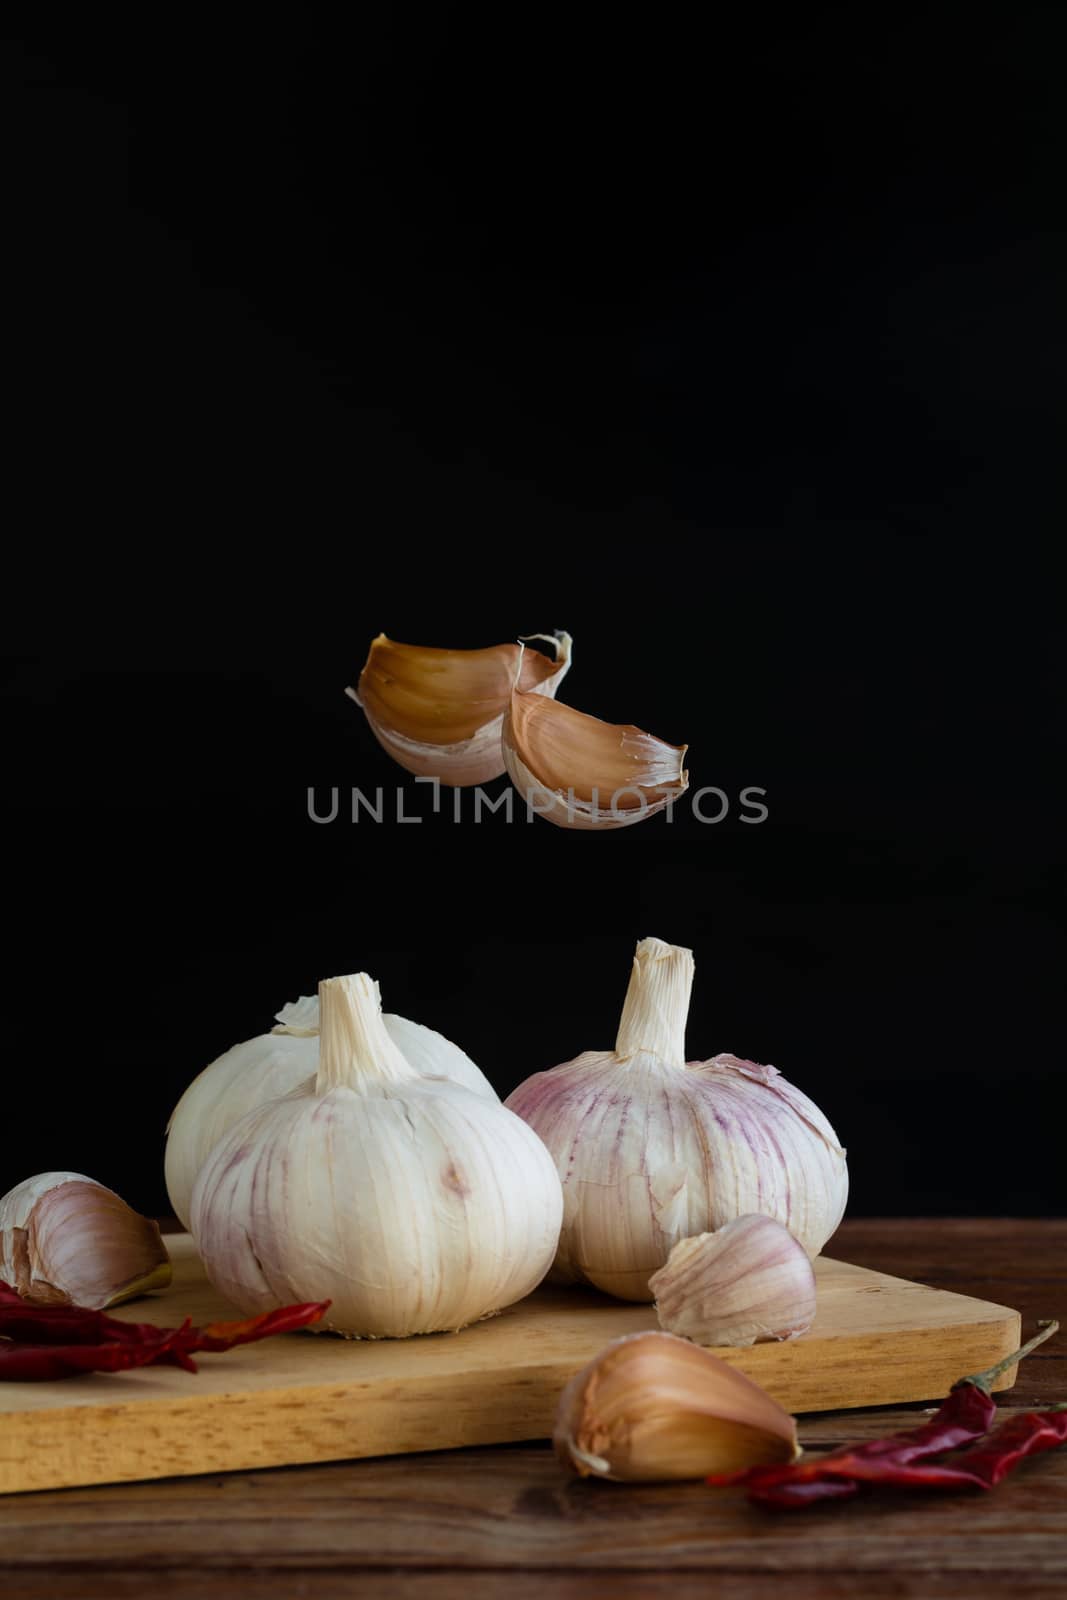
735	350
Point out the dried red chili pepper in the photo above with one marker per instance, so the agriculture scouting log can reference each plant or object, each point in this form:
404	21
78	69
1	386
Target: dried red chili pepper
963	1418
37	1362
42	1342
990	1460
984	1465
224	1335
65	1325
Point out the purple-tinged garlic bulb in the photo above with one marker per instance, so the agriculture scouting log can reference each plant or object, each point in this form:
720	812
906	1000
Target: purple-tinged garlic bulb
652	1149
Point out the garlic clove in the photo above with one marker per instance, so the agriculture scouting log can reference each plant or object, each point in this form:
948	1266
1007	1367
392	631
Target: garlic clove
651	1407
579	772
66	1240
749	1281
439	713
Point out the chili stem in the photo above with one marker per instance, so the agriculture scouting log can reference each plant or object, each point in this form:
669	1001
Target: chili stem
985	1380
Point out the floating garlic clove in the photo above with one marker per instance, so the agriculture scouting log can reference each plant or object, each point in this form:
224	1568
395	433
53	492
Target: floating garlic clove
652	1149
579	772
272	1064
651	1408
66	1240
439	713
751	1280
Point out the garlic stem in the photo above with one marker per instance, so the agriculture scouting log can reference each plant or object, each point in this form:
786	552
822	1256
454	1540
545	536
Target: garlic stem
354	1045
657	1003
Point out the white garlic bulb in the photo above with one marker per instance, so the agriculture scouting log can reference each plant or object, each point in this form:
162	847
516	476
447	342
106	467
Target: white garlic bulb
652	1149
271	1064
411	1203
750	1281
67	1240
439	713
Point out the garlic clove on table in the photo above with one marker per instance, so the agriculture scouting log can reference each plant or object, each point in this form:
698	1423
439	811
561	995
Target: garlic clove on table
439	713
67	1240
749	1281
651	1408
579	772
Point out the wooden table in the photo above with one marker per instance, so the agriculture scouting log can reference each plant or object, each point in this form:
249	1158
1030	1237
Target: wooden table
508	1522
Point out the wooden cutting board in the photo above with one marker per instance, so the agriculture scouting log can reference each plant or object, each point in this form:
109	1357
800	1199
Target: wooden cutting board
306	1397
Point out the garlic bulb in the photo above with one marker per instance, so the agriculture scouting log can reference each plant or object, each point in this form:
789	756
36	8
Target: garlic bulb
66	1240
652	1408
749	1281
652	1150
270	1065
579	772
411	1203
439	712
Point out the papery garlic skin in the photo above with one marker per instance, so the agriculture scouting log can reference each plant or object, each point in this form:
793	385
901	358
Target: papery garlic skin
298	1018
439	713
652	1149
749	1281
272	1064
651	1408
579	772
67	1240
411	1203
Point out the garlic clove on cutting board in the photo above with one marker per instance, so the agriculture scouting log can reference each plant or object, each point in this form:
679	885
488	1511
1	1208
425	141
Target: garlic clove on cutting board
749	1281
67	1240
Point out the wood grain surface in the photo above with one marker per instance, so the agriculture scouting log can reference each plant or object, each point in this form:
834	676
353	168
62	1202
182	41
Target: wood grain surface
507	1521
307	1398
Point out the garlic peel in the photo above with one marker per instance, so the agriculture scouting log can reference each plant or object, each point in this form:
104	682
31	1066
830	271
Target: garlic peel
273	1064
439	713
651	1408
749	1281
300	1018
66	1239
579	772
